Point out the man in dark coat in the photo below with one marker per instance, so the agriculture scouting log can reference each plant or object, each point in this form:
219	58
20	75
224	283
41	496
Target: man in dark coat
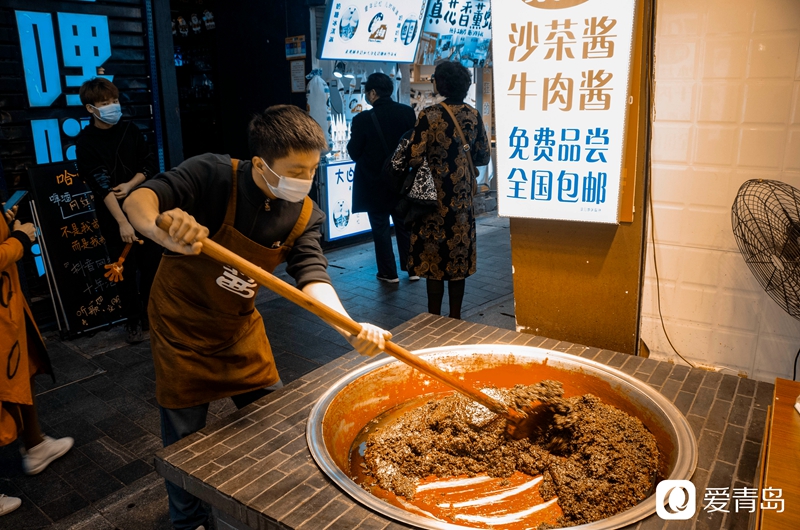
374	136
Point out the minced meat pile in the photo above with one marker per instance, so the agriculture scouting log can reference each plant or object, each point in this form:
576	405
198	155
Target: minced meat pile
595	458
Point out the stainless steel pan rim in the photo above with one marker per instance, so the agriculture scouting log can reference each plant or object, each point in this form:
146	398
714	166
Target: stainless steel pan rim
685	443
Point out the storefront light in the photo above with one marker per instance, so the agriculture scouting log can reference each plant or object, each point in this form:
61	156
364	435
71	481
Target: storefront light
339	69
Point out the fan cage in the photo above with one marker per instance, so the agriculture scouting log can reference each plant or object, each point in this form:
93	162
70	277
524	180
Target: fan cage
766	224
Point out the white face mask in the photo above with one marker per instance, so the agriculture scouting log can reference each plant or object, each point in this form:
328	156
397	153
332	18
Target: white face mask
109	114
288	189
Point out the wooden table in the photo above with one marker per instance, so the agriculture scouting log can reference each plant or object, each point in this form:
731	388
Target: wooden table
781	467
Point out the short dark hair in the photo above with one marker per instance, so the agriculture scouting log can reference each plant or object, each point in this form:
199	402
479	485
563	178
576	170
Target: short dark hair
452	79
283	129
381	83
97	89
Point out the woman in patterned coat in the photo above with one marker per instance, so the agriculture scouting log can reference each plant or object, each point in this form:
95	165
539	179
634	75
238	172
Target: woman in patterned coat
443	245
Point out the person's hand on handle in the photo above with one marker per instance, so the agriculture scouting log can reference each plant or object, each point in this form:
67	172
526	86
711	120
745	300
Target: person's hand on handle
185	234
127	233
27	228
371	340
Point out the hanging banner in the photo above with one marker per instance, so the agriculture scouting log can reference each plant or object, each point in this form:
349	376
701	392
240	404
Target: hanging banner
462	30
561	70
372	30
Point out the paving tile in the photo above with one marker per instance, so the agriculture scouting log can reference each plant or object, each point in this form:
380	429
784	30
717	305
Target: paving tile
280	488
332	512
78	429
27	516
740	410
120	429
92	482
63	506
671	389
721	475
693	380
350	519
707	447
747	387
718	416
660	374
281	507
727	387
632	364
590	353
684	401
764	395
696	423
603	356
618	359
132	471
72	460
747	464
255	480
755	429
703	401
731	444
107	453
679	372
43	487
712	380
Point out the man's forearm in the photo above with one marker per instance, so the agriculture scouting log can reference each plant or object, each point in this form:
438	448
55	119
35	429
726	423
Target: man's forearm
325	293
142	209
137	179
112	204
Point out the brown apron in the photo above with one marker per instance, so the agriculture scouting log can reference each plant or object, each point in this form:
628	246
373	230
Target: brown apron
207	338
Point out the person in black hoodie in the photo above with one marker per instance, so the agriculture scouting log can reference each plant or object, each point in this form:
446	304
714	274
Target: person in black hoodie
113	159
374	136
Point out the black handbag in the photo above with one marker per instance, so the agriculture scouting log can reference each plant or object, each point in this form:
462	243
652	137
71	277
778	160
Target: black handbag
418	197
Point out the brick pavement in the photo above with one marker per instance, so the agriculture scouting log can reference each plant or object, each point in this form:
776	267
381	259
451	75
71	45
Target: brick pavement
104	394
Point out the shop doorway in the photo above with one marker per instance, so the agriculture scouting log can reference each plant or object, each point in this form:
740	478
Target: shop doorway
194	38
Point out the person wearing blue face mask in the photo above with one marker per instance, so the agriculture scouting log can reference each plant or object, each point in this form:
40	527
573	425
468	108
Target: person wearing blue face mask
113	158
208	340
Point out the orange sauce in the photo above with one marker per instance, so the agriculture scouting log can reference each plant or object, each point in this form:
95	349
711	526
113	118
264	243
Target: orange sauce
478	502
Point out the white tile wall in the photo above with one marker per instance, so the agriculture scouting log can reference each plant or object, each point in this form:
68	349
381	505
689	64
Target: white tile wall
727	110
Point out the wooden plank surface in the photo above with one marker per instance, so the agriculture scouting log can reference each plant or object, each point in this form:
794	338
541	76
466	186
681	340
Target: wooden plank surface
783	457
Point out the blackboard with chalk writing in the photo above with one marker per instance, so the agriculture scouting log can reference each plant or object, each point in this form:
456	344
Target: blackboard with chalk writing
74	248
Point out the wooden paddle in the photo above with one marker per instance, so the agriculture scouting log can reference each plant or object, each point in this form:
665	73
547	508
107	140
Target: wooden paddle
517	426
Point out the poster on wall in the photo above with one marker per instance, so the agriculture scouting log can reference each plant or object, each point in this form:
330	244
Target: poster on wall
342	222
461	30
296	47
372	30
561	70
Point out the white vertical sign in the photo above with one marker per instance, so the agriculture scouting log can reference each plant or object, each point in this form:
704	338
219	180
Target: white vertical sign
561	70
342	222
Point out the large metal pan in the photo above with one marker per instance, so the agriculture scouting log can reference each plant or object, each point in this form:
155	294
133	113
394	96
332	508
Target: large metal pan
342	412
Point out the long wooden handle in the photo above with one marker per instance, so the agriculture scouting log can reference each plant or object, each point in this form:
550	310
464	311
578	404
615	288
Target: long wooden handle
334	318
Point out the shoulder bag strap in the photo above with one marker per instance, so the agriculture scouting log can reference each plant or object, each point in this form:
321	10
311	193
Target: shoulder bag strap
464	144
380	133
230	212
302	222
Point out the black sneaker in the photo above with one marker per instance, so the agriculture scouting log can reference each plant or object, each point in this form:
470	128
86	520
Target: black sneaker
387	279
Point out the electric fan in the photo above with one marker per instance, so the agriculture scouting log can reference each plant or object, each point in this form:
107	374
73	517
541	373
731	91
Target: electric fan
766	224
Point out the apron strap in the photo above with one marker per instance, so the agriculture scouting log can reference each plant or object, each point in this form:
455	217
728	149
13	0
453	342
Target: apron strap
302	222
230	212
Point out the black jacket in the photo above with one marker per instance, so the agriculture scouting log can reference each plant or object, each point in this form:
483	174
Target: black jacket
370	193
107	158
